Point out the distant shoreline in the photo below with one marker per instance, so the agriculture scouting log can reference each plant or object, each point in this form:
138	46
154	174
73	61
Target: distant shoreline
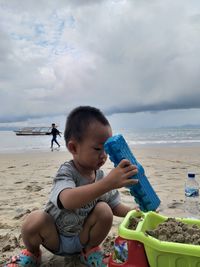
149	138
133	147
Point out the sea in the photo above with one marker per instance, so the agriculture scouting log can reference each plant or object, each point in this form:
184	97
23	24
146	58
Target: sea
172	136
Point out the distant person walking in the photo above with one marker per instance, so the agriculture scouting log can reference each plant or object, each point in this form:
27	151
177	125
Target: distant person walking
54	133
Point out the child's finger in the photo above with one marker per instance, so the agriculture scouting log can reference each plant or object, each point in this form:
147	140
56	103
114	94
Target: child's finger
131	168
137	208
131	182
124	163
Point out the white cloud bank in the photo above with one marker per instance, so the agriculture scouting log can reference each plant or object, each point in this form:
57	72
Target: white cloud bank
121	56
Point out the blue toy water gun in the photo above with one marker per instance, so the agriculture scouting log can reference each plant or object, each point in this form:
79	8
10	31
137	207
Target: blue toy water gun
117	149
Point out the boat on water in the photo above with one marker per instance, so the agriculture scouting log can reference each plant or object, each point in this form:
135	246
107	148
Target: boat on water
33	131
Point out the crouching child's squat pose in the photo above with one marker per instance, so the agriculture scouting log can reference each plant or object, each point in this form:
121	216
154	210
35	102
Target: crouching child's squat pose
79	213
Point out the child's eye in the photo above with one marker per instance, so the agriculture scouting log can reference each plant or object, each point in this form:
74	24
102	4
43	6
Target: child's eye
97	148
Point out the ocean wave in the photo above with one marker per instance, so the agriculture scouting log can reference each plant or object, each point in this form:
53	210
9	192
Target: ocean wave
164	142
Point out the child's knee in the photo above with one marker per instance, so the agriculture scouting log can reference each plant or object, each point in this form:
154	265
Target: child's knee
35	220
104	211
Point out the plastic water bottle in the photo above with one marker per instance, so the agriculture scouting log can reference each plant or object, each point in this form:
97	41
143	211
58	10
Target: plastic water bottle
192	196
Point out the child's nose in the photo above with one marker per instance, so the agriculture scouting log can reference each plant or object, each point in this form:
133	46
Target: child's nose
103	154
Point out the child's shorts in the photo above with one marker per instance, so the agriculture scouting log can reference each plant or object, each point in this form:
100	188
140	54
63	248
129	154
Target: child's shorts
69	245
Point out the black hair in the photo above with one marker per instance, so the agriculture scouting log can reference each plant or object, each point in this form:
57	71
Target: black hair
78	121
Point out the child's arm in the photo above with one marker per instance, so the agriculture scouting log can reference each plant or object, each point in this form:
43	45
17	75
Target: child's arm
121	210
79	196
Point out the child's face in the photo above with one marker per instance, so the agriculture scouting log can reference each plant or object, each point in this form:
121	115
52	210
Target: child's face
90	152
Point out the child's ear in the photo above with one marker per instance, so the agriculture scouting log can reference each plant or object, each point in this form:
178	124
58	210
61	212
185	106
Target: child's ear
72	146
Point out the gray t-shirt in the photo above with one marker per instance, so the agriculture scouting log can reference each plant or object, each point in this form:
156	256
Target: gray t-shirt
70	222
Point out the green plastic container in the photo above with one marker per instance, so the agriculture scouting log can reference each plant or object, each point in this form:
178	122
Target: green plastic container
161	253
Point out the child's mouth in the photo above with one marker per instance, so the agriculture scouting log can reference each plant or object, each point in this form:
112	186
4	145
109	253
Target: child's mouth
101	164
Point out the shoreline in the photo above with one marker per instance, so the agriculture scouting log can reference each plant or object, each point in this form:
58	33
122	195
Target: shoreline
133	147
26	180
136	138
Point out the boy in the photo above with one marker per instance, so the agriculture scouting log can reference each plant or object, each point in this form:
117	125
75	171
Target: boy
82	202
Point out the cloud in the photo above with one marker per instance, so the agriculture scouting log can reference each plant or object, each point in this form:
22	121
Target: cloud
121	56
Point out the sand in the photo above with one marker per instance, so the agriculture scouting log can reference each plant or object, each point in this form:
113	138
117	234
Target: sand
26	179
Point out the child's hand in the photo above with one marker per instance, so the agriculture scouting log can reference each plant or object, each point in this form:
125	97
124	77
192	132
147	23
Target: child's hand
119	177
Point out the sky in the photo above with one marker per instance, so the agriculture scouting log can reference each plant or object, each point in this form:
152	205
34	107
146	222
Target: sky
138	61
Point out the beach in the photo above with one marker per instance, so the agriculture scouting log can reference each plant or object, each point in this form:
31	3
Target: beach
26	180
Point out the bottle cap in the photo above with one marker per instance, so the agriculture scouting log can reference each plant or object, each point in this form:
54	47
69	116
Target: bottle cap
191	174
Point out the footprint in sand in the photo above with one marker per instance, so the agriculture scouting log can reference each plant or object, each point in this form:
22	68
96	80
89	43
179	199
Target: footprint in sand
8	242
18	182
175	204
5	226
25	165
47	176
21	214
33	188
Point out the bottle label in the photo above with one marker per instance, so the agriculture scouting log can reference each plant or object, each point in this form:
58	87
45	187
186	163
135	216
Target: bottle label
191	192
